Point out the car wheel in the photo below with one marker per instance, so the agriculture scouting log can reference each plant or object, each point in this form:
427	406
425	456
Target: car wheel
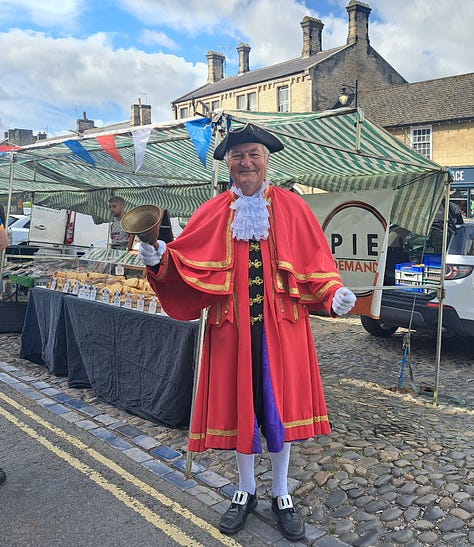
377	327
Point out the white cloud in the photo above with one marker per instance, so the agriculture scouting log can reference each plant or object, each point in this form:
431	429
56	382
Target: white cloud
48	76
44	13
192	16
155	38
424	39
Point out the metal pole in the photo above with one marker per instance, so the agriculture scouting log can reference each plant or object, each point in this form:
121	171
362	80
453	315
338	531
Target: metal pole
441	293
7	216
201	330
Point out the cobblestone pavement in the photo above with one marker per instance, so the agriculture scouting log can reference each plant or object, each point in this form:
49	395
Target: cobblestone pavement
396	469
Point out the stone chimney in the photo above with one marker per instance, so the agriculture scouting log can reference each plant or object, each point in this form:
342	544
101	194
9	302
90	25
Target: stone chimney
215	66
243	51
140	114
358	22
312	35
82	124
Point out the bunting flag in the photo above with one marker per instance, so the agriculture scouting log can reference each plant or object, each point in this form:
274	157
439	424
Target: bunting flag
107	143
4	148
200	131
140	140
77	149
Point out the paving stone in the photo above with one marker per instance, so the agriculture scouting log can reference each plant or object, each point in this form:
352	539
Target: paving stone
430	538
451	523
401	537
105	419
434	513
179	480
137	455
212	479
335	499
392	513
128	431
165	452
58	409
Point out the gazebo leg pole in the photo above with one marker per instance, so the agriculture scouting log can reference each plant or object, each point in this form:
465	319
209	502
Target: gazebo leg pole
441	294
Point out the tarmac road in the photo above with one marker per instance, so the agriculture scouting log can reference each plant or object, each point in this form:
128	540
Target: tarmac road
66	487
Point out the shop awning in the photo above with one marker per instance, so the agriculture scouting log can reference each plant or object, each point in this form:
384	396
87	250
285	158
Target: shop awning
333	151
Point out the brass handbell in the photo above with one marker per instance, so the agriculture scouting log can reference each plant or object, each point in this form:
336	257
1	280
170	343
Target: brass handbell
143	221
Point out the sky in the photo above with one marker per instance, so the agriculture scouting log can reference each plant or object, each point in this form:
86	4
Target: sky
61	58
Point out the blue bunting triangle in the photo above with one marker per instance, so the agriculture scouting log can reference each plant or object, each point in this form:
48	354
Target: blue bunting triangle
77	149
200	131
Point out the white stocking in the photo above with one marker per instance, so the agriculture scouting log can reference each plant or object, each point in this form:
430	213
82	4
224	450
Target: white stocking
280	461
246	468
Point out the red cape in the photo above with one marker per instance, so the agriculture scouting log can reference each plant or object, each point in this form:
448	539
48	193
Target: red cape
206	267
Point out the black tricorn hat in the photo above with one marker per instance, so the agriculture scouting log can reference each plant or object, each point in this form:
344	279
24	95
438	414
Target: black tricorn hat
248	133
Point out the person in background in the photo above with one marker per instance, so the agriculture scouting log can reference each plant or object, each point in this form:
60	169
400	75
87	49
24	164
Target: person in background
256	256
455	218
119	239
3	230
3	246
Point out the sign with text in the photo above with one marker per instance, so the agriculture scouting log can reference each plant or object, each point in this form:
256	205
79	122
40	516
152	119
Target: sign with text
356	228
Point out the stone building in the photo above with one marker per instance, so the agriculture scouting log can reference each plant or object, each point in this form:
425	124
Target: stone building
311	82
436	118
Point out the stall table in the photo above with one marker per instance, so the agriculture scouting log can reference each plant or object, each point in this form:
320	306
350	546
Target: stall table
139	362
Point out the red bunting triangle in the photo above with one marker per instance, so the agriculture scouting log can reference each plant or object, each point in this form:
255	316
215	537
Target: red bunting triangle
107	144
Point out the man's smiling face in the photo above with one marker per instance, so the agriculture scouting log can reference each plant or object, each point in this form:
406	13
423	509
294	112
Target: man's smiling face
247	165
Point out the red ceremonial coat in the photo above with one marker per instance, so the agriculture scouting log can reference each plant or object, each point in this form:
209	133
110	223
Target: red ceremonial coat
206	267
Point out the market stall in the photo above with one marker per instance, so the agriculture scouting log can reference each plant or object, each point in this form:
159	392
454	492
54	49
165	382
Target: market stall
170	165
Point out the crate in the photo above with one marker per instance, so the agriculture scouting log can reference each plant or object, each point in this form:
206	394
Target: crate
431	268
409	273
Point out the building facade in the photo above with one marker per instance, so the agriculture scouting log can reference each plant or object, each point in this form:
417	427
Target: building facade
311	82
436	117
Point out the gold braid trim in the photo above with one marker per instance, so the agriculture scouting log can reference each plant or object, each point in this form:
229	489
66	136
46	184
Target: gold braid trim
211	286
220	265
308	421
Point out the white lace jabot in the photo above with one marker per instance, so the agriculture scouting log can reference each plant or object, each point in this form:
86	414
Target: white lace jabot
251	215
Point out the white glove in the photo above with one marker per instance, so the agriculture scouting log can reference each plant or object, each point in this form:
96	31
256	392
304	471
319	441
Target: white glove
343	301
149	255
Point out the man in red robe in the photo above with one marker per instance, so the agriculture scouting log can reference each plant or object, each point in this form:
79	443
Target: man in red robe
256	257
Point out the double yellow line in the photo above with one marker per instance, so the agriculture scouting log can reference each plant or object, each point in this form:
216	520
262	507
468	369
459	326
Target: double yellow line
170	530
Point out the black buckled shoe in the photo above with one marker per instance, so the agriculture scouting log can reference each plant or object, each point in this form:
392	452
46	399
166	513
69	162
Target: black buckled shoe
234	518
289	522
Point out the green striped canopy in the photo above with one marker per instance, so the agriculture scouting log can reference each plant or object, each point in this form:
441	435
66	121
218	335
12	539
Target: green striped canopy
334	151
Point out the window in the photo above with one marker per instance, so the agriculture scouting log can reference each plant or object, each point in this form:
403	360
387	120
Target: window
283	99
215	105
247	102
252	101
241	102
421	140
184	112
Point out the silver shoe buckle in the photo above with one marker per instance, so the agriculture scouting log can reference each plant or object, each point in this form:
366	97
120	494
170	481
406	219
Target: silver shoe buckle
284	502
240	497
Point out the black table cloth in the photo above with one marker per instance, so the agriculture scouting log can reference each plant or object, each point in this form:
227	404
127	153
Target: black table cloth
43	337
139	362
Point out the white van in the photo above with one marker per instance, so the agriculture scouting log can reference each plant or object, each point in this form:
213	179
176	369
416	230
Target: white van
62	230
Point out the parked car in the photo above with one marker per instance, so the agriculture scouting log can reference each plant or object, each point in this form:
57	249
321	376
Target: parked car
407	307
18	229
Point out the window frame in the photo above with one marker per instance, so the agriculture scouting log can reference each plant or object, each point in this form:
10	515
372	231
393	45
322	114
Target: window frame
424	146
282	103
